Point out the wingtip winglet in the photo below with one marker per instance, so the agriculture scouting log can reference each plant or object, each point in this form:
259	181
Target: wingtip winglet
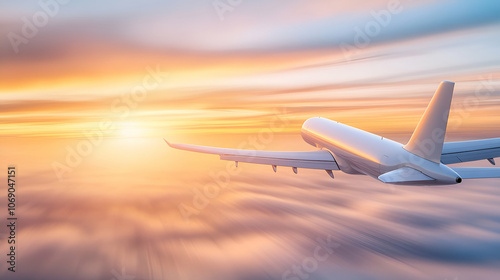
168	143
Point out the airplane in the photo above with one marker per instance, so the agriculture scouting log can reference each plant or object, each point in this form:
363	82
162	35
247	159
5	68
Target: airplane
422	161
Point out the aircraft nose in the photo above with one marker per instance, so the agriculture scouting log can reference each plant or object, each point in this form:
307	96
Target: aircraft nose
305	131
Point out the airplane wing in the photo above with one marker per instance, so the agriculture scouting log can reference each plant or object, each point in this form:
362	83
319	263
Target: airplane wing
477	172
456	152
320	159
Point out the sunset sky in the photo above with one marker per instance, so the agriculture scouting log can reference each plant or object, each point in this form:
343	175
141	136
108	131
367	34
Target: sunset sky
227	75
122	75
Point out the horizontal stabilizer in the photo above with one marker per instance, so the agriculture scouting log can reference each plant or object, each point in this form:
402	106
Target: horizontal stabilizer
321	159
477	172
456	152
404	175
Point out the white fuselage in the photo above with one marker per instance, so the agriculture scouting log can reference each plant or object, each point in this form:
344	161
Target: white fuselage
360	152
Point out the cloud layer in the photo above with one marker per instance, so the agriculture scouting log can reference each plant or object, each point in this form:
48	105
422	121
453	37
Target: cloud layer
256	227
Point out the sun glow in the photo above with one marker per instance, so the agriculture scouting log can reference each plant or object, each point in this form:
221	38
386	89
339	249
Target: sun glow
131	130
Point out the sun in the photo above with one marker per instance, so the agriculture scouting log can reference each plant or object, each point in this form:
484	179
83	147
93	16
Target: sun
130	130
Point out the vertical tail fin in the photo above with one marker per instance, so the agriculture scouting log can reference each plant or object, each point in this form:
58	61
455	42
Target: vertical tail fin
427	139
